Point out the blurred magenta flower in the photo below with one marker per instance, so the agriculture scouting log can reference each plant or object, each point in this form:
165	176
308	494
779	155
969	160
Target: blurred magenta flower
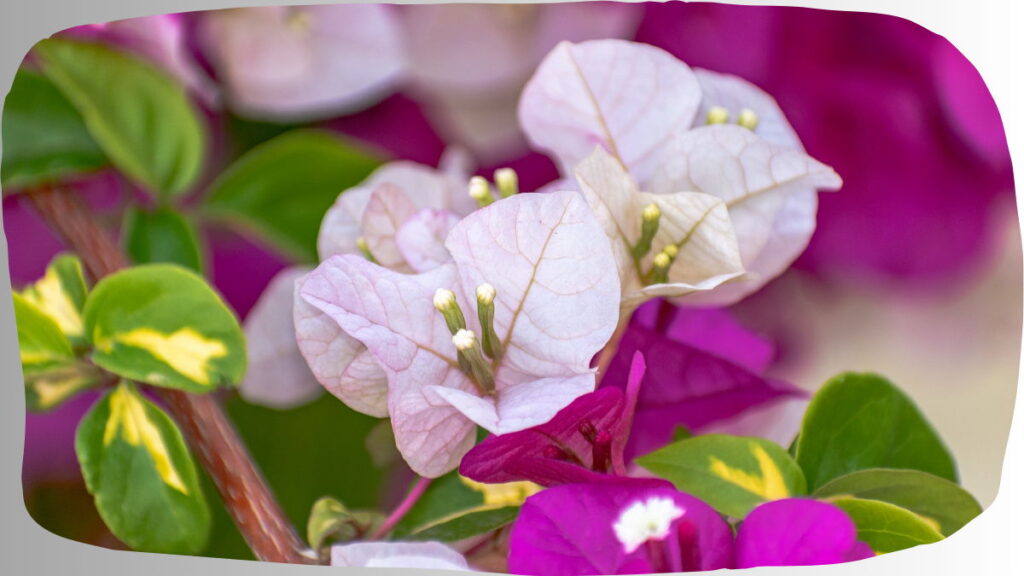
798	532
584	442
294	63
703	368
893	107
633	526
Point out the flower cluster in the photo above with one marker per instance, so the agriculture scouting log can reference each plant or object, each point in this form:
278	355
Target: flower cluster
552	360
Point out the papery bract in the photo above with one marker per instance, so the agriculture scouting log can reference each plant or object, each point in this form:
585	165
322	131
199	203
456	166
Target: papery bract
404	212
734	94
299	63
430	555
770	190
629	98
568	531
703	368
556	307
696	224
584	442
277	375
798	532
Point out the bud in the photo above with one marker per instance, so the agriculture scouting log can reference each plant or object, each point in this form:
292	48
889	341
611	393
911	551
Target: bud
507	181
659	272
650	220
448	306
671	251
469	355
364	249
464	340
748	119
718	115
485	294
480	191
651	213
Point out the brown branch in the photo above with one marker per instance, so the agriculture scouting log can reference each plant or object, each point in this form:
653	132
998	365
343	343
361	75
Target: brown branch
245	493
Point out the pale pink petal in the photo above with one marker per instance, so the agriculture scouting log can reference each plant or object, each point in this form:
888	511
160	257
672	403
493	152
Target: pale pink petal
342	224
277	376
698	224
552	266
444	189
526	404
628	97
393	315
756	179
386	212
306	62
397	555
735	94
421	239
339	362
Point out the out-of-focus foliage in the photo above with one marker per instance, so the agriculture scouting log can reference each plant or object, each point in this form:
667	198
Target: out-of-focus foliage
161	235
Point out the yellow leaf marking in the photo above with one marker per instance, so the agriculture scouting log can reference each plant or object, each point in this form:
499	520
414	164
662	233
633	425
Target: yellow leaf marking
769	484
186	351
49	295
501	495
128	416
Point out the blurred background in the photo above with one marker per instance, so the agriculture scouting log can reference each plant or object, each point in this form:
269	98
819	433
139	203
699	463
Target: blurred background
914	271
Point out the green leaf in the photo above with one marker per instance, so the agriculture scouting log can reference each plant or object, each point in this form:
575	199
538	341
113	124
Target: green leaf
61	294
142	477
466	524
936	500
860	421
163	325
47	390
887	527
140	117
43	345
446	496
330	521
45	138
731	473
282	188
162	235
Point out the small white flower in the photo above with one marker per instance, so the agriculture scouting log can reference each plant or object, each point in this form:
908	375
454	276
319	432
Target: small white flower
464	340
646	520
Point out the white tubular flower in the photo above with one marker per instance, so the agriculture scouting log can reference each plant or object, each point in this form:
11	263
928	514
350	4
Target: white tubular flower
444	299
644	521
464	340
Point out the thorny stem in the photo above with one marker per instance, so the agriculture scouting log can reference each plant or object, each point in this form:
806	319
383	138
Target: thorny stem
402	509
223	455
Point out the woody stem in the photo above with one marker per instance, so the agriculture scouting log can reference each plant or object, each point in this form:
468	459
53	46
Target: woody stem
221	452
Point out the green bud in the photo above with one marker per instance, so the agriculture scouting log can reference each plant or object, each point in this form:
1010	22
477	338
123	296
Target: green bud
748	119
659	273
650	220
480	191
444	301
507	181
479	369
485	294
718	115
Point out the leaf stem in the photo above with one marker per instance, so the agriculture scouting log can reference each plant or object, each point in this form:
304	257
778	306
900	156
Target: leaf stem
402	509
215	441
